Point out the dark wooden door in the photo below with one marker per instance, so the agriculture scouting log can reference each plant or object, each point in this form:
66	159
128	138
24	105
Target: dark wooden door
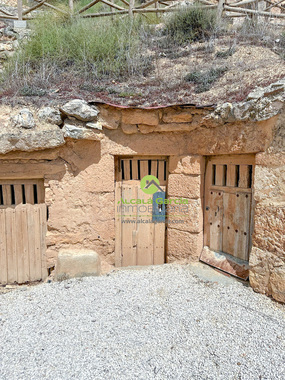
228	204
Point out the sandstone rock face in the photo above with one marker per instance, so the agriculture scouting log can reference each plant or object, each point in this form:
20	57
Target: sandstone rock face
24	119
175	127
109	117
129	129
45	132
77	263
259	270
270	182
145	121
206	133
80	110
267	258
186	165
218	138
50	115
174	116
277	283
269	228
190	214
184	186
267	274
143	128
183	246
185	239
80	197
136	116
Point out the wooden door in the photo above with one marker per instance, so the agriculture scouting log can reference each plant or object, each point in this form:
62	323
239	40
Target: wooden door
140	220
22	231
228	204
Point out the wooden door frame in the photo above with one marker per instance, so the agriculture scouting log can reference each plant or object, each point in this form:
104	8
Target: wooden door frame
237	159
118	256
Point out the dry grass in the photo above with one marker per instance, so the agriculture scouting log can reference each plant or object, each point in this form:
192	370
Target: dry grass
88	49
155	73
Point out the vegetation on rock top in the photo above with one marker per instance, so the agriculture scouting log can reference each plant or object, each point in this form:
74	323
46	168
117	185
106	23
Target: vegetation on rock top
147	60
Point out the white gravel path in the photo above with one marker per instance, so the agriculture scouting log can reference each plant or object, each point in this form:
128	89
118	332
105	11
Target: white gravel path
154	323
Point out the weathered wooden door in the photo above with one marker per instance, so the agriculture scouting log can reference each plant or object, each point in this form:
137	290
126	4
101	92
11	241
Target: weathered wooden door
228	204
22	231
140	220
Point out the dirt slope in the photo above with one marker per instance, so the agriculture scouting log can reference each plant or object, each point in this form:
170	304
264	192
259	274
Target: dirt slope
250	64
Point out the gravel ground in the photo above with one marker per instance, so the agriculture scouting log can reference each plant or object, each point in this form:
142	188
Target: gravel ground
155	323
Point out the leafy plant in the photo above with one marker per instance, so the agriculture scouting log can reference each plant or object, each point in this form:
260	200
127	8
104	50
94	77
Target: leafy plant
204	80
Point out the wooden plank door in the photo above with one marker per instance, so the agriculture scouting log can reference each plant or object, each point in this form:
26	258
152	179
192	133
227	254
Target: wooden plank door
22	231
140	236
228	204
236	224
215	219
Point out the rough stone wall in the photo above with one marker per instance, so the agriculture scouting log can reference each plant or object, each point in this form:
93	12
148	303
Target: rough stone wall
81	202
79	191
84	140
267	259
185	241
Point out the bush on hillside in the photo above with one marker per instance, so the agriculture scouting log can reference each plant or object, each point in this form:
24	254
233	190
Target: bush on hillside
190	24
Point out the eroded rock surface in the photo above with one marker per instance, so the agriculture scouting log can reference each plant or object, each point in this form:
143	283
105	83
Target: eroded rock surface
78	131
267	258
80	110
23	119
30	140
51	115
261	104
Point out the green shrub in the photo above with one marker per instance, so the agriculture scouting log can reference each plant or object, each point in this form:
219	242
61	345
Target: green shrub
204	80
225	53
86	46
191	24
32	91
